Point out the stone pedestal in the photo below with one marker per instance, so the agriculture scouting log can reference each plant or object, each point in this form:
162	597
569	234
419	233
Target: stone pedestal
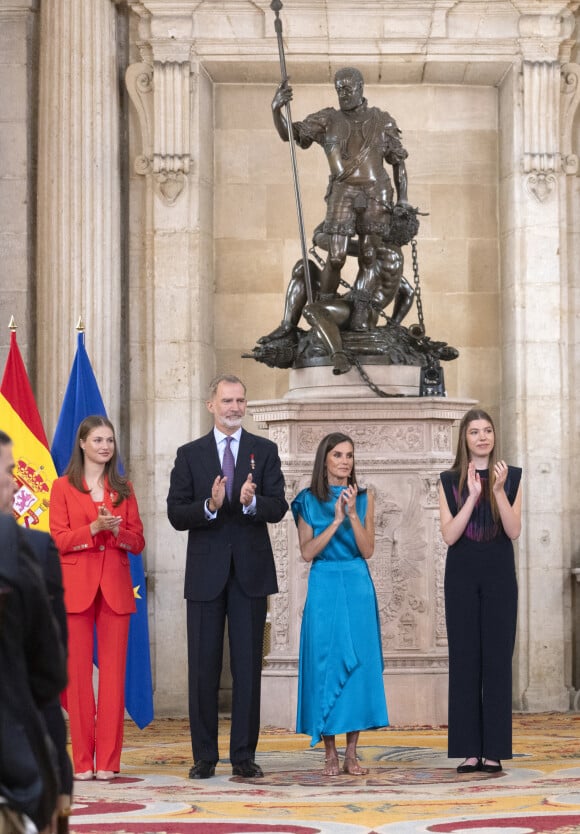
401	446
319	383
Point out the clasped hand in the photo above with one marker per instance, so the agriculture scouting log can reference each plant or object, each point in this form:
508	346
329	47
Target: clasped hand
500	471
105	520
346	503
218	492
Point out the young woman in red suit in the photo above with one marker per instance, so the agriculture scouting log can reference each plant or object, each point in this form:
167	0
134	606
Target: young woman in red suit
94	520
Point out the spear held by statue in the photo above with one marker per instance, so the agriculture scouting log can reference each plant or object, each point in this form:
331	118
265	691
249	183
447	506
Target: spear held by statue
276	6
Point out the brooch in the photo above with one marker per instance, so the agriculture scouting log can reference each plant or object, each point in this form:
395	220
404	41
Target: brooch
252	463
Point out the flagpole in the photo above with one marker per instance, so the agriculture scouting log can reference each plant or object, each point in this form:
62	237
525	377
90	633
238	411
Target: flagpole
276	6
12	325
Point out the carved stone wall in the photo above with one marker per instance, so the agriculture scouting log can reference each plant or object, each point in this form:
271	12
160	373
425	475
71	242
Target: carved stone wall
401	446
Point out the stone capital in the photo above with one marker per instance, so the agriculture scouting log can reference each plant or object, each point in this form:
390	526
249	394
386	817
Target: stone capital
546	34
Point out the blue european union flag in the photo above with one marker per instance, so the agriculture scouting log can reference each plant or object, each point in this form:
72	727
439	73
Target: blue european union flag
81	399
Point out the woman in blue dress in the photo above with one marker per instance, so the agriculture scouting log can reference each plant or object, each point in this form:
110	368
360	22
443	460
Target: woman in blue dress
340	669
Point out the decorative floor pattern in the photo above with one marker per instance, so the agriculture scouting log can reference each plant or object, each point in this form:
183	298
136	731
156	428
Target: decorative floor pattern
411	788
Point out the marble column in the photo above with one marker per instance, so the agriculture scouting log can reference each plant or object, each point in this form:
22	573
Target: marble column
537	103
172	274
79	233
17	177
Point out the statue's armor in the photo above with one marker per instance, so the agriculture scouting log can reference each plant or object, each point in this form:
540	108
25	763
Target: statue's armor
356	142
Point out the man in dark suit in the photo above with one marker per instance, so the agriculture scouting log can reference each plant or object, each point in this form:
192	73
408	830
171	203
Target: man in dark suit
229	571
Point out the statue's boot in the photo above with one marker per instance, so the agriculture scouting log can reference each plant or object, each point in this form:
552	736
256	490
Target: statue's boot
285	330
341	362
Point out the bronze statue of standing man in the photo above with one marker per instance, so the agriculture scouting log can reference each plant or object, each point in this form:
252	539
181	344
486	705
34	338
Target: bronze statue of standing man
357	140
368	217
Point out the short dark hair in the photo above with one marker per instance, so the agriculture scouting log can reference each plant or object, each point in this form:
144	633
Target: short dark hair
5	440
213	386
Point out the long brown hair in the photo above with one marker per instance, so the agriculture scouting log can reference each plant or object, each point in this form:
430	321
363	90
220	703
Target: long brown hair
462	458
76	464
319	484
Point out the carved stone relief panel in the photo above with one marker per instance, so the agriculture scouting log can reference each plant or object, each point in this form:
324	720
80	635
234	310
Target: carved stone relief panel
280	602
441	437
439	550
399	566
431	490
280	435
368	437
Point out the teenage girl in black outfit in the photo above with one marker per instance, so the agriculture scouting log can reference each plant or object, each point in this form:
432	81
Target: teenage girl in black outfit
480	501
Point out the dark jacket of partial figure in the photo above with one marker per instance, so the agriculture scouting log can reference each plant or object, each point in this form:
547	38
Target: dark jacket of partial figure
32	674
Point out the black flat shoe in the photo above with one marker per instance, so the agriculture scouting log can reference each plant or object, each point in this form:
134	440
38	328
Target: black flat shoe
248	769
202	770
489	768
467	768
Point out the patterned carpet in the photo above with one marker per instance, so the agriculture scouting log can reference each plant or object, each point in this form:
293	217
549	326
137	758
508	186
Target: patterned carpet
412	787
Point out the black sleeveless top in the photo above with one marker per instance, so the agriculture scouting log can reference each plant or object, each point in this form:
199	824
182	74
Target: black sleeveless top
481	526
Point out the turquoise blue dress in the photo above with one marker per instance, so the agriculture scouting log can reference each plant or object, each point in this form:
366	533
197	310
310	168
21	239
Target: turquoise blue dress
340	667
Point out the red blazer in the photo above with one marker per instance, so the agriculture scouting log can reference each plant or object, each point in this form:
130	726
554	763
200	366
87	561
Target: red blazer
93	562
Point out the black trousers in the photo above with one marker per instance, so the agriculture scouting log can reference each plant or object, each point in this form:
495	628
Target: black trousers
481	599
246	618
56	726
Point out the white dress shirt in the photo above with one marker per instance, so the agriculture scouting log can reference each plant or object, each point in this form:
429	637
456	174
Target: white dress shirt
220	439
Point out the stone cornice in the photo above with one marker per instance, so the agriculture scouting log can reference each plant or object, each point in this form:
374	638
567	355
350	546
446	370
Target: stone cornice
470	41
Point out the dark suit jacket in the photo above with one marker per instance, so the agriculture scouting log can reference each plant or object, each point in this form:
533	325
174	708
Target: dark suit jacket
47	557
32	673
233	535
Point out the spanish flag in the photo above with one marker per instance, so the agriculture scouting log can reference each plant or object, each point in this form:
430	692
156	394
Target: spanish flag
34	471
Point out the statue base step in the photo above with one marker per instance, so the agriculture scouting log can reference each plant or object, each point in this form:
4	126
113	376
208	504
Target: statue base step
319	382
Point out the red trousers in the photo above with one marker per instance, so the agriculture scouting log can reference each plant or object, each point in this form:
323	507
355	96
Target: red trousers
96	731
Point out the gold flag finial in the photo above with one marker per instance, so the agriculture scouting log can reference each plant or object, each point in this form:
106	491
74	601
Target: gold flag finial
12	324
80	325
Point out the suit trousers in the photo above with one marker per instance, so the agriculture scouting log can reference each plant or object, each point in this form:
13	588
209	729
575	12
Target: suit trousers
481	610
97	733
246	617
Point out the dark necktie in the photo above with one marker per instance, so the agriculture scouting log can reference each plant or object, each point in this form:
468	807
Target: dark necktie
228	466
